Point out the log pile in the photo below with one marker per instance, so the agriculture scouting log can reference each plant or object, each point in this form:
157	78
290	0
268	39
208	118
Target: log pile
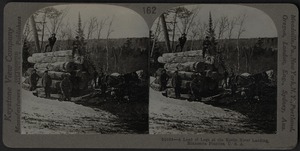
188	64
58	64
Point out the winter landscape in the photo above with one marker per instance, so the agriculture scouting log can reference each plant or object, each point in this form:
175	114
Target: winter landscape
213	70
82	68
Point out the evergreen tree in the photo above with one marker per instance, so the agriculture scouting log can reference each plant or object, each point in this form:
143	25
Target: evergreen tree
79	31
210	32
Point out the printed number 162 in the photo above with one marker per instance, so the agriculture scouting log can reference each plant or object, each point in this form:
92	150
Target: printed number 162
149	10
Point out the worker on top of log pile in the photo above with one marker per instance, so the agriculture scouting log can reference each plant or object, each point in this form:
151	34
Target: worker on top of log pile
66	88
47	82
176	83
163	80
51	43
182	41
34	78
206	46
77	45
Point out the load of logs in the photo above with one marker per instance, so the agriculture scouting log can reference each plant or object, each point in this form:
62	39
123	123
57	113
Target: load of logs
58	64
188	64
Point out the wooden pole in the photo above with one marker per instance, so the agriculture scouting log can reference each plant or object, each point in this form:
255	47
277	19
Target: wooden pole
165	29
35	34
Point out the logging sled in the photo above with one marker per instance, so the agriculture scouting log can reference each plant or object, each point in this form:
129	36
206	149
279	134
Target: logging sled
206	79
86	86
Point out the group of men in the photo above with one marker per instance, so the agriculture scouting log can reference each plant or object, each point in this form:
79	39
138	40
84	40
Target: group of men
77	45
175	81
65	85
206	45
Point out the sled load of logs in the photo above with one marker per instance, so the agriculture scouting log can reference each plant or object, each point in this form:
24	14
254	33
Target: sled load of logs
188	64
58	64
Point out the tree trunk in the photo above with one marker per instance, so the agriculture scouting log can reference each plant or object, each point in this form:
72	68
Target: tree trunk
57	66
166	34
187	66
35	34
173	35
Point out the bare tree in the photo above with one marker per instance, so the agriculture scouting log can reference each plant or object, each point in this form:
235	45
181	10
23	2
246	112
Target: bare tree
100	26
223	26
248	53
117	53
55	19
109	31
92	27
27	32
241	30
35	34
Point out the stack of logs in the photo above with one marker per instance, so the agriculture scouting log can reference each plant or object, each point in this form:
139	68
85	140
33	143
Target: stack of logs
188	64
58	64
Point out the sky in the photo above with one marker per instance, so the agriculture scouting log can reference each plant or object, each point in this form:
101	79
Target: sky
257	23
126	22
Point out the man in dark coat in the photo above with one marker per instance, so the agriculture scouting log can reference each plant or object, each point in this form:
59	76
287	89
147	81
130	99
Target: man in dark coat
206	46
163	80
51	43
104	85
196	87
46	82
176	83
182	41
76	46
66	88
34	78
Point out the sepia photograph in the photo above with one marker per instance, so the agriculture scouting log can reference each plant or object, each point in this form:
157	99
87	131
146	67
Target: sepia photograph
85	70
213	70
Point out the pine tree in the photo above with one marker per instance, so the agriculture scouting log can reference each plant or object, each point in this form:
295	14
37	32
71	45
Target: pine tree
210	32
79	31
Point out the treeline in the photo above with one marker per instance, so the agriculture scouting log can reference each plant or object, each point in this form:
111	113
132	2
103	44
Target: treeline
124	54
256	54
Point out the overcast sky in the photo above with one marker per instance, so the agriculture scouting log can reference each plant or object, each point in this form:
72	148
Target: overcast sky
257	23
126	22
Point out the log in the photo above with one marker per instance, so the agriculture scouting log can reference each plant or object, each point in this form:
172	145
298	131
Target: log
180	59
55	75
182	74
49	59
57	66
61	53
186	54
187	66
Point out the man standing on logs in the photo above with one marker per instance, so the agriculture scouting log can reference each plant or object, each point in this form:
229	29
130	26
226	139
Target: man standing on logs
77	46
182	41
206	46
163	80
47	82
34	78
176	83
51	43
66	88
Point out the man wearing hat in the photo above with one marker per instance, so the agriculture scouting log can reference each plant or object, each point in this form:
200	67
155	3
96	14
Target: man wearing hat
163	80
66	88
47	82
34	78
182	41
176	83
51	43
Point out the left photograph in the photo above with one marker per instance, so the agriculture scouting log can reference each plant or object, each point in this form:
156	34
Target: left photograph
85	70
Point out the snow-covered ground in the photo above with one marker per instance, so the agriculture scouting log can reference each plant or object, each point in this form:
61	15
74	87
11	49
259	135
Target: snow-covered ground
173	116
46	116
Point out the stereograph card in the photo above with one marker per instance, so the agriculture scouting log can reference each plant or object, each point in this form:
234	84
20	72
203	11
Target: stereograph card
151	75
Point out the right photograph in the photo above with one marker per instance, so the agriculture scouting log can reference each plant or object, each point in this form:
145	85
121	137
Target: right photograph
213	70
